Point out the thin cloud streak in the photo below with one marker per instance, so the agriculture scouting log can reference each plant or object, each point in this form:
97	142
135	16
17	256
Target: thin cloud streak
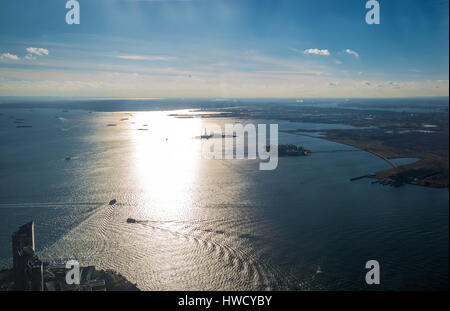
145	58
350	52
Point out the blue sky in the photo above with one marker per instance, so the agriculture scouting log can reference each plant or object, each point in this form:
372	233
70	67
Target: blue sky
224	48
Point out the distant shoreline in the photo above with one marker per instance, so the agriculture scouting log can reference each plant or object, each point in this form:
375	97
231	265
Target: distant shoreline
387	175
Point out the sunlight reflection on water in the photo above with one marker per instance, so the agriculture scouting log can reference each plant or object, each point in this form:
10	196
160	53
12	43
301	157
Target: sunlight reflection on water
211	224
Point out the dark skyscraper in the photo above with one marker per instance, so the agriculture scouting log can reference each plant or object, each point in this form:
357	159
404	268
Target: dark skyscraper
28	269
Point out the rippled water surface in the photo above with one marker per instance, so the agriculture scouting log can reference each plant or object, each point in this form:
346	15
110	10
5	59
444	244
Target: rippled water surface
211	224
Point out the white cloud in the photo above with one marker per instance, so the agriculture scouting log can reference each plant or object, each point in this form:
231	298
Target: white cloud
295	50
8	56
37	51
348	51
317	52
141	57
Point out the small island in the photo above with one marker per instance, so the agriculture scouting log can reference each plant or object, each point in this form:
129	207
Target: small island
290	150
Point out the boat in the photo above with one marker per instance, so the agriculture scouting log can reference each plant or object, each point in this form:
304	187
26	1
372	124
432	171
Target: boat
131	220
112	202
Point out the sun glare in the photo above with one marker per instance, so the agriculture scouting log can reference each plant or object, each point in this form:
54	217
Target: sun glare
166	159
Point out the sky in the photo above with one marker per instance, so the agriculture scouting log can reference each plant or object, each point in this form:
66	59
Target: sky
224	49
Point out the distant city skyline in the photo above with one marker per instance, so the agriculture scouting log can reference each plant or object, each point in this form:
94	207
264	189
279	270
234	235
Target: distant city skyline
219	48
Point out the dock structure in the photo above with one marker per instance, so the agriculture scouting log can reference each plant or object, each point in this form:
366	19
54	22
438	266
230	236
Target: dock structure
363	176
382	157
